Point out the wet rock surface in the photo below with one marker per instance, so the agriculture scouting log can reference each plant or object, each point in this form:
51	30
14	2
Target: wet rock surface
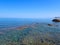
56	19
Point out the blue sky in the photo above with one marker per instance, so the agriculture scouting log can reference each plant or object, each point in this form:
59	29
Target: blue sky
29	8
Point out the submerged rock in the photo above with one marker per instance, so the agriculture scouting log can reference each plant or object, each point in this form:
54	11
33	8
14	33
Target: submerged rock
50	25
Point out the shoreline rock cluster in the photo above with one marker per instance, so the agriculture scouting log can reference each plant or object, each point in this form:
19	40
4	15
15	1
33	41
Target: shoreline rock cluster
57	19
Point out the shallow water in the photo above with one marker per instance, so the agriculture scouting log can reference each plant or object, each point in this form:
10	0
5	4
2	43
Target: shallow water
36	33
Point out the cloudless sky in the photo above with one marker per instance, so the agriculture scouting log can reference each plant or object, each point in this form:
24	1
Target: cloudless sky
29	8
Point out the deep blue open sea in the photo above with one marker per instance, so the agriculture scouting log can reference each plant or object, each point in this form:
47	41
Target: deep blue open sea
12	22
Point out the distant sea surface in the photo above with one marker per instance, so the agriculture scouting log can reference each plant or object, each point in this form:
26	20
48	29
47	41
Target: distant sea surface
11	22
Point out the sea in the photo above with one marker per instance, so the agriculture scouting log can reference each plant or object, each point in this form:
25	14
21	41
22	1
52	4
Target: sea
13	22
39	34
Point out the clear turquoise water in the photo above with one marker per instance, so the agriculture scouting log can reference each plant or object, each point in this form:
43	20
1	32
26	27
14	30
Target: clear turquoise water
41	31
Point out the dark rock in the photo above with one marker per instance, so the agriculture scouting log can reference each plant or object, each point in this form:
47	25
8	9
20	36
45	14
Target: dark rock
50	24
56	20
